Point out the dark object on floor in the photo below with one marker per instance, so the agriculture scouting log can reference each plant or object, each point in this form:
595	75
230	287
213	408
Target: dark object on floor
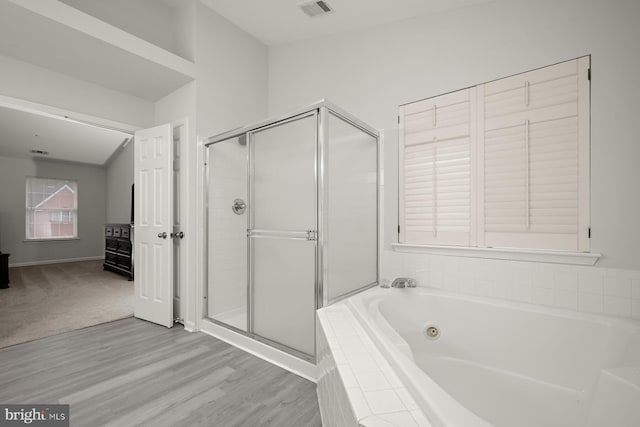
4	271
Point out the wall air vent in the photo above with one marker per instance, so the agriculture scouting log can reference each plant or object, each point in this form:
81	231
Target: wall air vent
315	8
41	152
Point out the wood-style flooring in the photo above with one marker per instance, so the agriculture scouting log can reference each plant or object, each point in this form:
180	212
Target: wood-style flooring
131	372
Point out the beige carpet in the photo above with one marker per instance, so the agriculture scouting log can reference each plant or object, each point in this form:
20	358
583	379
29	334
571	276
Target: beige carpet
49	299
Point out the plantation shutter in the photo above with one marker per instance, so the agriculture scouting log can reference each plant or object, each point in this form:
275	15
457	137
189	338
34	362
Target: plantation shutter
436	170
533	145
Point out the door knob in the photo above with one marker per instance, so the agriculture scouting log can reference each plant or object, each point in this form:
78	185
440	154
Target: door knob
179	235
162	235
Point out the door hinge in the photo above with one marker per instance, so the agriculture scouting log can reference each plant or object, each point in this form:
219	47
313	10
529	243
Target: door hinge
589	233
588	73
176	165
398	119
398	228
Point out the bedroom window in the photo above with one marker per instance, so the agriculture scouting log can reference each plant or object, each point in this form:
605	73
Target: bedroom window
51	209
502	164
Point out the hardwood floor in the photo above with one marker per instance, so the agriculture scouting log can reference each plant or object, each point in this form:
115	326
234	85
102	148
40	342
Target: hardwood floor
131	372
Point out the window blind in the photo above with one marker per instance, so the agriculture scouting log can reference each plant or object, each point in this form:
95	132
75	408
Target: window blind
436	155
503	164
532	184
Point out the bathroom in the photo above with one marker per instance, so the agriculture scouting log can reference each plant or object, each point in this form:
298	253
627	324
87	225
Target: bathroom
371	70
472	46
400	63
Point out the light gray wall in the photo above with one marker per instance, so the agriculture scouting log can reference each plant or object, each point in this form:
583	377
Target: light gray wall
371	72
40	85
151	20
91	210
119	178
231	75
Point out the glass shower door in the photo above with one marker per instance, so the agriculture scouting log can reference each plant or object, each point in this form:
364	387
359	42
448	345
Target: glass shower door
227	237
282	233
351	213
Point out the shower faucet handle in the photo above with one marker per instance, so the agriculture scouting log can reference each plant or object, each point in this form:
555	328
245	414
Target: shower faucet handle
239	206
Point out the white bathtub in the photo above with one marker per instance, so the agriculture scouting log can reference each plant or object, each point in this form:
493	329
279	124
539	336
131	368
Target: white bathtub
506	364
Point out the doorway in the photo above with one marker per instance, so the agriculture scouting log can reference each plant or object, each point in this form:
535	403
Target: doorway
178	233
11	232
52	216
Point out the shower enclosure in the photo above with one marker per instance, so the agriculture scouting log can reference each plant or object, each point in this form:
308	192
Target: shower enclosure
292	223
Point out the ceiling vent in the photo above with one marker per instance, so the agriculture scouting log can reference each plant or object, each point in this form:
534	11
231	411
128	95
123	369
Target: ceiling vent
316	8
41	152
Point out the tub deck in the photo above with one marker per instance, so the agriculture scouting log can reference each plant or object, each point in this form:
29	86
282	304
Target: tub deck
356	386
493	364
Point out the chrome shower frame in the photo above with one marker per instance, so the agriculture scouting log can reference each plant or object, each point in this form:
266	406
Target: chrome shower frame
321	111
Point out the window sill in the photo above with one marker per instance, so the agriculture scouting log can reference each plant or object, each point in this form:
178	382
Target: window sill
58	240
554	257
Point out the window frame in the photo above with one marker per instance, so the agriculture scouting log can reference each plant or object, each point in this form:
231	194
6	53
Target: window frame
70	213
477	186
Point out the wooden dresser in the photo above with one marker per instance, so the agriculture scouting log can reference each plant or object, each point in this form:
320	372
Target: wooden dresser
118	255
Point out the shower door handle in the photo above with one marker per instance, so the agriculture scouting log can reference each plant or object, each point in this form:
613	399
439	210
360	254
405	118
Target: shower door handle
254	233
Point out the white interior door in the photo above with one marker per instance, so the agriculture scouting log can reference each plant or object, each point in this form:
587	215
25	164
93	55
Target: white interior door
153	214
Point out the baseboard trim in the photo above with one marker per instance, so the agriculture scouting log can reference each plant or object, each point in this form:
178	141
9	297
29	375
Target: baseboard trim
55	261
270	354
189	326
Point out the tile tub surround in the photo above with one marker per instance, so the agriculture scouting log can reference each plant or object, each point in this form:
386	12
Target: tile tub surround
356	386
592	289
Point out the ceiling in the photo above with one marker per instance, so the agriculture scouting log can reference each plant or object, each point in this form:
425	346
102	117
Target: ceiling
277	22
59	40
63	139
34	38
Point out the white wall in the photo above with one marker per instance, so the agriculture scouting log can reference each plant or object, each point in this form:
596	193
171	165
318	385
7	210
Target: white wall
40	85
371	72
231	75
119	176
231	91
152	20
177	105
91	210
